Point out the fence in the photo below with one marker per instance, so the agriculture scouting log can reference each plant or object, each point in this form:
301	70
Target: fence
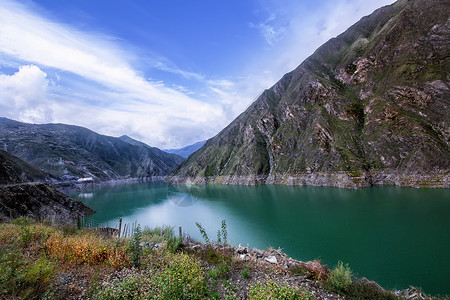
119	230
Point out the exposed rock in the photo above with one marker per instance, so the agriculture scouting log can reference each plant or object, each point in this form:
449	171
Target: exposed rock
369	107
40	202
272	259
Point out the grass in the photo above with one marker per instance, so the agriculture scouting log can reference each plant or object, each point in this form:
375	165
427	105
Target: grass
35	257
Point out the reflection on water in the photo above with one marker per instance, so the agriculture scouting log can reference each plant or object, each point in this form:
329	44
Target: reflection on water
395	236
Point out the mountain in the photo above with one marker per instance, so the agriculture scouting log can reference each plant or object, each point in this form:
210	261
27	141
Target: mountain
186	151
71	152
129	140
15	170
370	106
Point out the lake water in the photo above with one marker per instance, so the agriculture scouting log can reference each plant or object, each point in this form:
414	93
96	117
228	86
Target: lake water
395	236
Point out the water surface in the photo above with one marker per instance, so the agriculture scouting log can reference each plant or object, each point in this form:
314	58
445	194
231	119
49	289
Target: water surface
395	236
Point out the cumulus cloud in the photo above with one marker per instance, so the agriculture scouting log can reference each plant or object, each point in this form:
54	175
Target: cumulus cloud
27	37
70	76
24	95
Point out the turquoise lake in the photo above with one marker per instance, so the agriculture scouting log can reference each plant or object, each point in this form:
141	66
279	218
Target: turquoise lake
395	236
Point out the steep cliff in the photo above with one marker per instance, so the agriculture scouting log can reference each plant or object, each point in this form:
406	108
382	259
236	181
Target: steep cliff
370	106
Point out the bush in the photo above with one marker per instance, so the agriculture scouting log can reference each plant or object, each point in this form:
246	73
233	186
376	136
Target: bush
245	273
171	276
157	234
135	248
174	243
340	278
273	290
127	284
181	279
87	248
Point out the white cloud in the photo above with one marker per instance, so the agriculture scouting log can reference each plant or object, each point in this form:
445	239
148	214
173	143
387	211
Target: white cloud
133	103
122	101
24	95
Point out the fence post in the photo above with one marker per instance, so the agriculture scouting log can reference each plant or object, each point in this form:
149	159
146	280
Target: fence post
78	221
180	232
120	225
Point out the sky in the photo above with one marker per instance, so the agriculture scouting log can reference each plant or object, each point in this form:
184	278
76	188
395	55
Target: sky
169	73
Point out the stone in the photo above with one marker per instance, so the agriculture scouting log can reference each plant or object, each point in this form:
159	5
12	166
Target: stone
271	259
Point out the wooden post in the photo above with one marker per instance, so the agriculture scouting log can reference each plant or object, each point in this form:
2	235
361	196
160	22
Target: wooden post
180	232
78	221
120	225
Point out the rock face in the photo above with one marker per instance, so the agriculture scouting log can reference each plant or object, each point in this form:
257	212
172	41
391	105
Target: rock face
72	152
368	107
40	202
15	170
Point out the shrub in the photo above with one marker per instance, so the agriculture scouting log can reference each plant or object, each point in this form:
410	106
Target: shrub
174	243
86	248
157	234
317	270
22	221
127	284
245	273
273	290
340	277
135	248
182	279
68	229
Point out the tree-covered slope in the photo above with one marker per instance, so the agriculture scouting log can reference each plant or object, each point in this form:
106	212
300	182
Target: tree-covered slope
71	152
370	106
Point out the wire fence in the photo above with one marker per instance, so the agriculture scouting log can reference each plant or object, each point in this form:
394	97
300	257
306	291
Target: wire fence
119	229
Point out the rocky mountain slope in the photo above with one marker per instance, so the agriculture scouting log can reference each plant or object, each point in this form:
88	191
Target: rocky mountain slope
72	152
15	170
370	106
186	151
39	201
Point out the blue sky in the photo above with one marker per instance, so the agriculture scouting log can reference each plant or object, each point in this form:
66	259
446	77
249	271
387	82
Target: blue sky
169	73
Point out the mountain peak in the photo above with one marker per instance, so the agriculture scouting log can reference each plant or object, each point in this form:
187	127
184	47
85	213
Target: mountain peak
368	107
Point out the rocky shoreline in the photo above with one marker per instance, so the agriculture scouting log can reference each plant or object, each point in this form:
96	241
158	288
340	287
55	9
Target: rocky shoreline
273	264
353	180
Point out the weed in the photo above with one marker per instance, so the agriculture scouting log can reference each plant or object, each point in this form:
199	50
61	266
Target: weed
214	273
23	221
135	248
25	236
340	278
224	232
157	234
202	232
174	243
68	229
245	273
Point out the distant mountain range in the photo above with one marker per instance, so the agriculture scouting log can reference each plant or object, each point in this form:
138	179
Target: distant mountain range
71	152
186	151
371	106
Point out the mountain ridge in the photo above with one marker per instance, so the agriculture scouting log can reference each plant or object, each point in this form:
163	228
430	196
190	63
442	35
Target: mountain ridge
186	151
368	107
70	152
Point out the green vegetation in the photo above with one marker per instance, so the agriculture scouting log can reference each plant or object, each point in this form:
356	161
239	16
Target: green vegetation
340	277
245	273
